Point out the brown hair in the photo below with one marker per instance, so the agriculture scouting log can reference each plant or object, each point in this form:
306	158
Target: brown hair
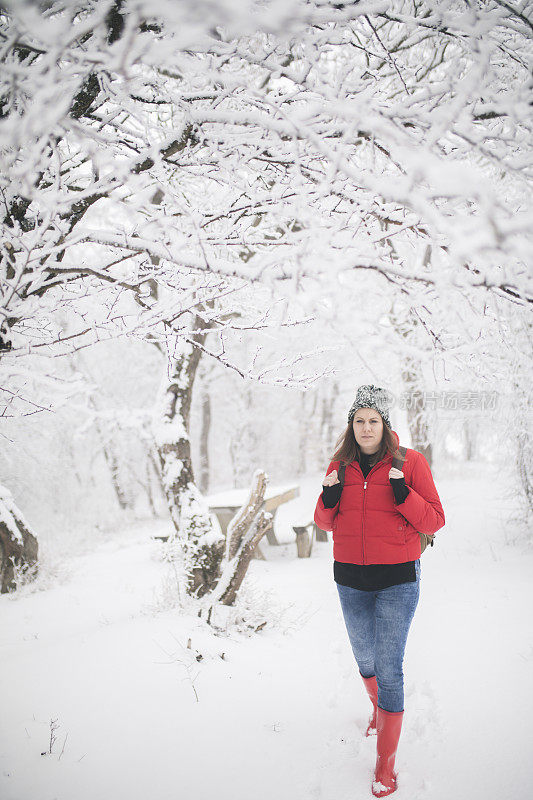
347	449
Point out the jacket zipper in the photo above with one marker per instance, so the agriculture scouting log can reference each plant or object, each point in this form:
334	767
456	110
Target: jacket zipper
363	520
365	481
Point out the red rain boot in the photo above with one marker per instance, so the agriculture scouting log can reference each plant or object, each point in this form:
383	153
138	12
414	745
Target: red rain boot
372	689
389	729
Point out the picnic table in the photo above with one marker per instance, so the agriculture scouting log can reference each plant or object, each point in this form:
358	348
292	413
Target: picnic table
226	504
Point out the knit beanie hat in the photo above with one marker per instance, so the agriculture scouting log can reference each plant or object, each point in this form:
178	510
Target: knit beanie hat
372	397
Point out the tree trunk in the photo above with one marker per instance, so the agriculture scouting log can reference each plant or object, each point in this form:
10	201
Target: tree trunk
203	480
327	427
519	425
233	576
201	545
525	469
469	439
109	450
417	417
407	325
305	430
17	543
244	533
244	444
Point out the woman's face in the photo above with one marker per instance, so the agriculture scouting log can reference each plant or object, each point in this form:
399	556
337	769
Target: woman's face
368	429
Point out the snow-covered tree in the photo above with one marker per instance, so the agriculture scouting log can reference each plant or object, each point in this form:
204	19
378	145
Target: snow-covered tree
18	545
200	150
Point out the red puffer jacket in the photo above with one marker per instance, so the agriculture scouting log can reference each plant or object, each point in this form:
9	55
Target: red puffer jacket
368	528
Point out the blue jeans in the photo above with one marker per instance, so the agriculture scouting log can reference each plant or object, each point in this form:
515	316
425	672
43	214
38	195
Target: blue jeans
377	624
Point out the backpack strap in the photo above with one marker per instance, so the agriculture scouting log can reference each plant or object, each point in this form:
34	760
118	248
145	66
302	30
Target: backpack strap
425	538
340	473
396	463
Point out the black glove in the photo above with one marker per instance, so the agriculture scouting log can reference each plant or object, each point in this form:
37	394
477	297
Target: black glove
400	489
331	495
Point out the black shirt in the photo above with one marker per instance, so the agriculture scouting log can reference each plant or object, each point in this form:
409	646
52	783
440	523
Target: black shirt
370	577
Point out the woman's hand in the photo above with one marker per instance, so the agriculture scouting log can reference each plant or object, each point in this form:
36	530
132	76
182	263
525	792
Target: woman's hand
331	479
395	473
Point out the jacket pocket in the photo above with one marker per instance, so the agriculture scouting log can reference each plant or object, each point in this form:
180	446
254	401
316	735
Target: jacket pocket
402	531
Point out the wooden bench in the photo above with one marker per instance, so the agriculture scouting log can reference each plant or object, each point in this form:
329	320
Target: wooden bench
226	504
305	535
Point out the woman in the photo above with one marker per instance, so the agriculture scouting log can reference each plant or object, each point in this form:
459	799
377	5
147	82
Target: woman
376	519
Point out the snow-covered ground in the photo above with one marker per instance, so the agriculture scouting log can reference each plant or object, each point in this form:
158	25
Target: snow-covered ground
280	713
